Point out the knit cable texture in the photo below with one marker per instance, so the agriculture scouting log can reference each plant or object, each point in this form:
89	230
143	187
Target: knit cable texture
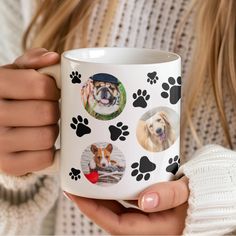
212	183
26	218
16	183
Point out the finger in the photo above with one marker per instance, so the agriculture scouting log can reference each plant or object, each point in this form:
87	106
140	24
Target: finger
163	196
10	66
27	84
28	113
21	163
178	214
121	224
115	206
112	205
90	207
37	58
29	139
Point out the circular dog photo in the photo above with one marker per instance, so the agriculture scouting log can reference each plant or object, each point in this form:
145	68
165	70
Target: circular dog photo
158	129
103	96
103	164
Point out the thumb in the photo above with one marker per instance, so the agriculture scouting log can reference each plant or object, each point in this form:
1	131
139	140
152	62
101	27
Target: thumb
36	58
165	195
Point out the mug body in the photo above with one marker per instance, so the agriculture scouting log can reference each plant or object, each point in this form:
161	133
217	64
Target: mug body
120	120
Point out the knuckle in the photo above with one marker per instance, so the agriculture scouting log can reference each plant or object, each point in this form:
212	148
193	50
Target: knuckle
47	136
29	56
173	195
48	112
48	158
5	166
23	59
4	143
176	193
183	189
3	112
19	59
41	86
1	73
2	79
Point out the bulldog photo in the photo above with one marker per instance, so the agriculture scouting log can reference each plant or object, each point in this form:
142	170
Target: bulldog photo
103	96
156	133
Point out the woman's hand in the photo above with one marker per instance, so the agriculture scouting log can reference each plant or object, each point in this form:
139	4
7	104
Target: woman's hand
164	208
29	113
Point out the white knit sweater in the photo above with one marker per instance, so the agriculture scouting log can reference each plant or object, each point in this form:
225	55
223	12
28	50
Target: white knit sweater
25	201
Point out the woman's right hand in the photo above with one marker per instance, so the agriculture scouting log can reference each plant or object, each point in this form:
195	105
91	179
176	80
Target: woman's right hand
29	113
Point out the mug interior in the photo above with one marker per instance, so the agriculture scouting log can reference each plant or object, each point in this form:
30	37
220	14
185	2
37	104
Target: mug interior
120	56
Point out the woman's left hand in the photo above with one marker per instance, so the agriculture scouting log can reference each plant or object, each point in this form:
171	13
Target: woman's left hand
164	209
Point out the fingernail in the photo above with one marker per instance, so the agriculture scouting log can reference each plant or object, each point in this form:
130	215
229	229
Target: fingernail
149	201
66	195
49	53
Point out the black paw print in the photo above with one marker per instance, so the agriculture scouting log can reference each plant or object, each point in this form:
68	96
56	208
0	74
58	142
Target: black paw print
152	77
174	90
80	125
75	174
174	165
141	98
142	169
118	131
75	76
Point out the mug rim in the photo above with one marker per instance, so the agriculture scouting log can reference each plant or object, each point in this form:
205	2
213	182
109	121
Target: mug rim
91	59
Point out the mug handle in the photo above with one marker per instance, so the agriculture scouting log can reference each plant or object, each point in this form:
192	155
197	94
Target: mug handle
53	71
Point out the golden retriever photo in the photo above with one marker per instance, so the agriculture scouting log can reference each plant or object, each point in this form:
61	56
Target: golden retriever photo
156	133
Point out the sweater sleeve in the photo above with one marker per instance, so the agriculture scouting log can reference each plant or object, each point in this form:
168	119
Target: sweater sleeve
12	27
23	209
212	183
24	201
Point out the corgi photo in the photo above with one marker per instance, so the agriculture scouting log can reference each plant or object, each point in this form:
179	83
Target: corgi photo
156	133
103	164
103	96
102	156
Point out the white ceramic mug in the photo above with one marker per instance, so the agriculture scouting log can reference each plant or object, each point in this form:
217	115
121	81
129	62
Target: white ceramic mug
120	119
